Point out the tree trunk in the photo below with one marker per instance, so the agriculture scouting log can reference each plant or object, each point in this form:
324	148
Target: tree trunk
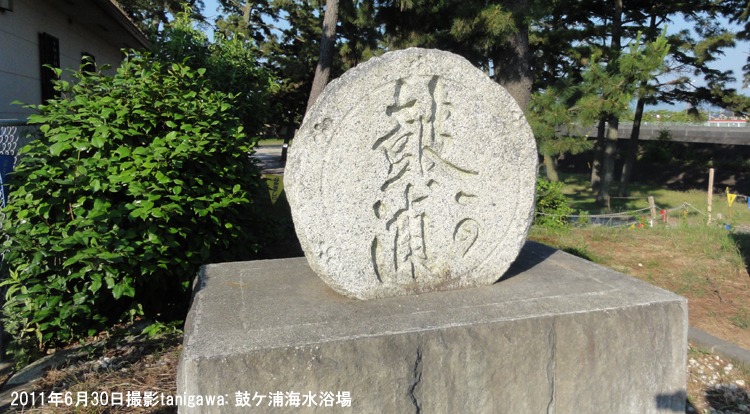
512	61
550	164
596	163
246	14
632	153
608	161
610	145
325	60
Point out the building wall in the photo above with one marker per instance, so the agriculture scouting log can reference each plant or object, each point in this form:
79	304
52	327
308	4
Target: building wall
19	50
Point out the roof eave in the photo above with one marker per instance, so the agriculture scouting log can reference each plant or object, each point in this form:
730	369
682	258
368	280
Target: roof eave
114	11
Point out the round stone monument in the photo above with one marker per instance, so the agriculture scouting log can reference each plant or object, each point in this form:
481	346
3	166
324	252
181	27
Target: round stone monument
413	172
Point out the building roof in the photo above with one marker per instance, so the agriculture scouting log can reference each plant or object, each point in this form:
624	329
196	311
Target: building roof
105	18
114	10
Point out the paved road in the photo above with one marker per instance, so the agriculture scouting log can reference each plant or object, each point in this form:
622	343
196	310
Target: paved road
270	159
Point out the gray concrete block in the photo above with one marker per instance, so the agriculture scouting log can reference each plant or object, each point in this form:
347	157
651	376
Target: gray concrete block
705	341
557	334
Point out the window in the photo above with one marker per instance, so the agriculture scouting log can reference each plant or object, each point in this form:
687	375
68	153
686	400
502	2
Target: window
88	62
49	54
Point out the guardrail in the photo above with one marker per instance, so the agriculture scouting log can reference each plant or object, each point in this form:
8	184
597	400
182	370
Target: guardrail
679	133
726	124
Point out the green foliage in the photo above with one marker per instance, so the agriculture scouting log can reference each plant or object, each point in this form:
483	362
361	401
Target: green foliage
607	89
139	179
161	328
290	51
549	110
551	200
664	115
601	92
245	18
475	30
640	220
150	15
660	151
291	56
583	221
230	65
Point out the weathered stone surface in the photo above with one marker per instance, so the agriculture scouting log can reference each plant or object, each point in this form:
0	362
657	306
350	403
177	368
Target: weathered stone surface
413	172
558	335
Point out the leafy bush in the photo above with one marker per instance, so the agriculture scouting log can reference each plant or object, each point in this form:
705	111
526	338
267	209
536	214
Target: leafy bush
230	63
552	203
139	179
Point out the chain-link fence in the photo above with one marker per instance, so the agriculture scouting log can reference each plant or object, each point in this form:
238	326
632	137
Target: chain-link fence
14	135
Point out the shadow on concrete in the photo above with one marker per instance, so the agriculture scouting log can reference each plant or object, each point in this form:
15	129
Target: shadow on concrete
531	255
580	252
676	402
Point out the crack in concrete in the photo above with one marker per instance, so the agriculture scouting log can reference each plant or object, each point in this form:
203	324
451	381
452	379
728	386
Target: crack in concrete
551	369
417	379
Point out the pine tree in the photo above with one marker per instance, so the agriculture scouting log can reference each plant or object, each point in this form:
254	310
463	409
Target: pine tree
561	39
549	111
491	35
608	89
686	55
151	16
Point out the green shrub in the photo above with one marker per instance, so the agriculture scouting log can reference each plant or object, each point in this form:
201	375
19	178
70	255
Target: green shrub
139	179
662	150
230	66
552	203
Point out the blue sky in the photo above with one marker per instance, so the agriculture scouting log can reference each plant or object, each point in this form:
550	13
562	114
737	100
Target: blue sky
733	60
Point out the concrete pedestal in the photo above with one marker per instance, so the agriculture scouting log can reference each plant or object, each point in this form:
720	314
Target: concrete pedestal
557	335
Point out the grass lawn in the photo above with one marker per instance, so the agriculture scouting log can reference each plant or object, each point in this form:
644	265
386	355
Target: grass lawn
270	142
578	191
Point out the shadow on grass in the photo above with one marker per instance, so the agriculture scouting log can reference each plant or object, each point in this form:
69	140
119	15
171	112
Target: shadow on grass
285	243
582	198
742	241
727	398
